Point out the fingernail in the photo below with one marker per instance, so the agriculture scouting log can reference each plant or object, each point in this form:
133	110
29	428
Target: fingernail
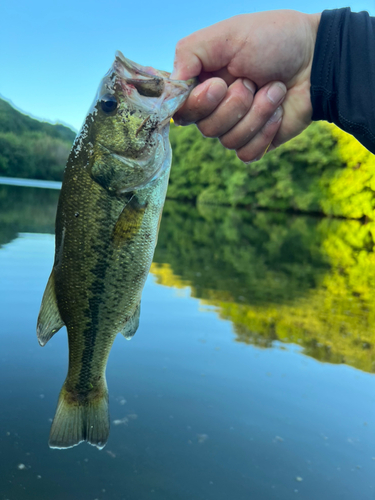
216	92
276	116
249	85
276	92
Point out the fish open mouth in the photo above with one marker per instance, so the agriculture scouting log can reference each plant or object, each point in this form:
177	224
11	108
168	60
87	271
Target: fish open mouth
134	105
153	83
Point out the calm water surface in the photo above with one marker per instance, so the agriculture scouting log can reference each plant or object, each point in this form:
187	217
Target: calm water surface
250	377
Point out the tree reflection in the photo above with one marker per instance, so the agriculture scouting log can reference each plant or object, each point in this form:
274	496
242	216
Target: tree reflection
24	209
251	257
276	277
295	279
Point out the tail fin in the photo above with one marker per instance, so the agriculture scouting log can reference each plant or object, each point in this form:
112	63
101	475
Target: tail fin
77	421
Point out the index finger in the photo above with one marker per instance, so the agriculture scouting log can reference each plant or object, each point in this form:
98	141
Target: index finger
201	102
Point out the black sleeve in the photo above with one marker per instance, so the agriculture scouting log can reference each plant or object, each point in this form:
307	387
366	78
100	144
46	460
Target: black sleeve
343	73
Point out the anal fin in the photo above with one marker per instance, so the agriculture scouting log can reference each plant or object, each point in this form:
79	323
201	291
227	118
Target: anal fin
49	319
132	324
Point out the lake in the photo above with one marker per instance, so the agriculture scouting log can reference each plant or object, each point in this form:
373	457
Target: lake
251	375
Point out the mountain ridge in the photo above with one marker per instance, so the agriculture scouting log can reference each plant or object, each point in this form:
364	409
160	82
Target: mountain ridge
32	148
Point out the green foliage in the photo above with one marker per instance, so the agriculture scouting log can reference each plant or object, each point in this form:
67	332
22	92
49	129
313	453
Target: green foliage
350	191
198	165
12	120
287	178
322	170
30	148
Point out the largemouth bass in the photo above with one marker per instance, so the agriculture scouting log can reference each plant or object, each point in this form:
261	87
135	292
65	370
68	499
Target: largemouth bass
107	222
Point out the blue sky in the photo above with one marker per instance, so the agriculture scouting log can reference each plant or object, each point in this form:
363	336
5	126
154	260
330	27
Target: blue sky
54	53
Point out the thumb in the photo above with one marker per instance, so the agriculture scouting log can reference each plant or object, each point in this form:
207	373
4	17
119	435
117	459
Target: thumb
186	64
207	49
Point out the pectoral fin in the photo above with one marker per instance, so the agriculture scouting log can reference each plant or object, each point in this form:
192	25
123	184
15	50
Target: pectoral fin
132	324
129	222
49	319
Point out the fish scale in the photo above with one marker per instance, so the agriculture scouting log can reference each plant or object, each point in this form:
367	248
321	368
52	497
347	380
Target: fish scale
107	222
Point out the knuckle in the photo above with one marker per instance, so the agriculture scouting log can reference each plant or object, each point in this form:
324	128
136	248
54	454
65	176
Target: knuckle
244	155
261	112
267	133
240	106
269	130
243	102
207	129
239	100
180	45
228	142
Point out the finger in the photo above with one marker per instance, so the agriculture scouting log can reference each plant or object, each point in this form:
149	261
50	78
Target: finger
202	101
297	115
222	73
209	49
262	142
266	101
231	109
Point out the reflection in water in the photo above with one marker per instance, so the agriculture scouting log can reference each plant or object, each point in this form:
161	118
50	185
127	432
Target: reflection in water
277	277
250	258
23	209
195	415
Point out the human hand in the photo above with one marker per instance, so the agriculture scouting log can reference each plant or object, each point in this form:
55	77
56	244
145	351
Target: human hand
269	51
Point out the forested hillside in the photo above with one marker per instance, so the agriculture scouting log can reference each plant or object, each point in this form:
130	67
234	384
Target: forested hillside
30	148
323	170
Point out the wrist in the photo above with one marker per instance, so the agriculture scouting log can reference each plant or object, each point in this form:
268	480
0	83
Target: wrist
314	20
313	23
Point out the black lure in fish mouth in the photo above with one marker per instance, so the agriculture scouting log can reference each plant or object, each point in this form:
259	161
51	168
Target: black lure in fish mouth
168	94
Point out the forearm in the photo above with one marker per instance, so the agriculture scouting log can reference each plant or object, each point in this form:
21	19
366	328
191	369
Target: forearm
343	73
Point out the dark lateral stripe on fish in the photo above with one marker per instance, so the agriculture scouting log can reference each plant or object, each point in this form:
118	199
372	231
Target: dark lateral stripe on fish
103	252
90	333
127	226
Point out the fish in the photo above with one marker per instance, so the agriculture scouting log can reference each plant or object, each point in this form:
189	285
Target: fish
107	223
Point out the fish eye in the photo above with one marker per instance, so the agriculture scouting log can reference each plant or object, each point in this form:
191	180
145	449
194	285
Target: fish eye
108	103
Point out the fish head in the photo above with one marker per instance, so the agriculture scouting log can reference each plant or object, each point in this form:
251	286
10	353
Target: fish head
128	124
